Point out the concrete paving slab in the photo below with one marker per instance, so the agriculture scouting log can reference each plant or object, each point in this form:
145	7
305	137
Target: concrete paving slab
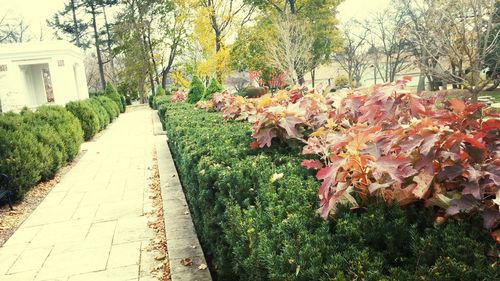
91	226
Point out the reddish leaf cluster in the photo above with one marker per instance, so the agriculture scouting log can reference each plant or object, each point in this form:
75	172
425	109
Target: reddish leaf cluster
179	96
385	142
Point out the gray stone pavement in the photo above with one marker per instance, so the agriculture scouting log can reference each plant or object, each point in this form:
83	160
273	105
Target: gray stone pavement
92	225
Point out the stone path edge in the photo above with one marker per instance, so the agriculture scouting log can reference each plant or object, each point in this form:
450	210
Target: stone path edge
182	241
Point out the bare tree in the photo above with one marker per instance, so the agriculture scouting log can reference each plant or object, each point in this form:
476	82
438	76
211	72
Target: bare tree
464	35
13	30
174	26
389	48
289	46
353	59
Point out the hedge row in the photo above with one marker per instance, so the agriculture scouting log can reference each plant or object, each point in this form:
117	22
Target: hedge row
255	214
34	145
94	114
113	94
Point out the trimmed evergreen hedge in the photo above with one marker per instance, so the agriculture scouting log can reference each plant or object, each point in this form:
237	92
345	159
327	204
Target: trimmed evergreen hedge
196	90
104	119
111	93
213	87
87	115
255	214
66	125
110	106
35	145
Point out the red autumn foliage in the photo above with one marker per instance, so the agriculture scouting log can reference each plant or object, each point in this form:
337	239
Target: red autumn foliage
385	142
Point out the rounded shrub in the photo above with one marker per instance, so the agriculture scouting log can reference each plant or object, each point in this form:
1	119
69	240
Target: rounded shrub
110	106
52	153
87	116
196	90
101	113
111	93
213	87
20	159
66	125
160	101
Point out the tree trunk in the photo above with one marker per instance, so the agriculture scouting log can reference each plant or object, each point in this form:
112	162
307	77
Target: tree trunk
313	76
293	11
151	53
141	90
75	24
98	49
301	79
218	47
474	95
166	70
110	51
164	77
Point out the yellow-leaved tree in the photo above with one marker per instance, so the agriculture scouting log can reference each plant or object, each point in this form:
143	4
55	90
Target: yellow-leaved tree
215	20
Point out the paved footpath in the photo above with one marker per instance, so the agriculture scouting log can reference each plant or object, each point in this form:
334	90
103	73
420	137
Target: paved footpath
92	225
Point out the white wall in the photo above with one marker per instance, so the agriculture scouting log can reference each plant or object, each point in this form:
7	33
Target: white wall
22	84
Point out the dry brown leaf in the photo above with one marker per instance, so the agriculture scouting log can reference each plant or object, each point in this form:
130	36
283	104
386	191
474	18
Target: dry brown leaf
187	262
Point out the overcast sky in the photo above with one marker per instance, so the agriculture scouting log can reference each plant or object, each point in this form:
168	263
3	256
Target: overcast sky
35	12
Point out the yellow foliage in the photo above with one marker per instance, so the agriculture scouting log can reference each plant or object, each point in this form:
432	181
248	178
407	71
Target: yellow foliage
203	31
215	63
179	80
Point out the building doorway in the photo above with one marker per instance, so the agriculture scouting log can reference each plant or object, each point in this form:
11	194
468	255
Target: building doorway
37	84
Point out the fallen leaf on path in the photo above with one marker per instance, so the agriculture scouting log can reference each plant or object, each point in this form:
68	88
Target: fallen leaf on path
159	258
187	262
202	266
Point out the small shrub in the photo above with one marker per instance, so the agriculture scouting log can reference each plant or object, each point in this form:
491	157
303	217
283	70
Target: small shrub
110	106
111	93
66	125
196	90
88	117
20	159
342	81
53	145
101	113
213	87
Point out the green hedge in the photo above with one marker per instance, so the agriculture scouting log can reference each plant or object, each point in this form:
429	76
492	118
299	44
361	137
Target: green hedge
33	146
110	106
111	93
87	115
66	125
196	90
213	87
255	228
104	118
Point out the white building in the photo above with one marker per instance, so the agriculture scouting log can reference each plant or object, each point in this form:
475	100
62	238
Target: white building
37	73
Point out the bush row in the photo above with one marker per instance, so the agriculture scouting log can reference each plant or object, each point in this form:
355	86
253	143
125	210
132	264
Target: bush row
94	114
34	145
255	214
197	90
